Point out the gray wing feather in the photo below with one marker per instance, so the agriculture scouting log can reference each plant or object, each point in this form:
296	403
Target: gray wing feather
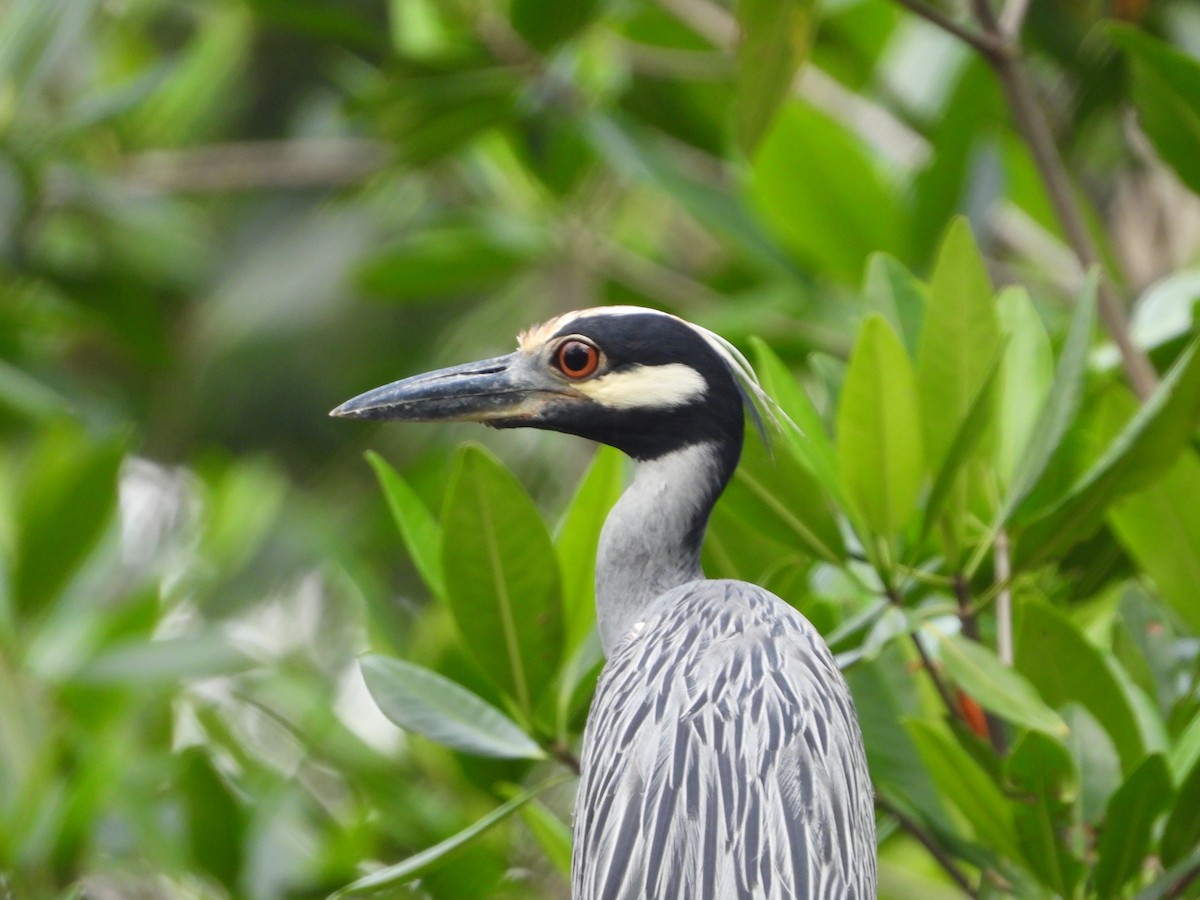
723	759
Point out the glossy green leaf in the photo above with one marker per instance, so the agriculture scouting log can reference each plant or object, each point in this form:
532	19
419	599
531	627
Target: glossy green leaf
775	39
895	293
959	342
777	496
997	687
579	536
1128	822
418	528
1065	667
819	192
1061	405
879	451
1025	380
812	446
974	427
422	863
1144	449
1160	528
1185	751
418	699
1042	772
1181	835
1166	91
963	783
502	578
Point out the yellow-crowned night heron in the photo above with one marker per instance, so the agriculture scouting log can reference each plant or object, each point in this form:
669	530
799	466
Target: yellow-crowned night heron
722	758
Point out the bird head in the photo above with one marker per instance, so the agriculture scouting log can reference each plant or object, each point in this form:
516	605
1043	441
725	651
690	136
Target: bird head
643	381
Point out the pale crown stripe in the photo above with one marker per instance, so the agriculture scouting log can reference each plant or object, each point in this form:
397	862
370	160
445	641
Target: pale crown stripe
653	387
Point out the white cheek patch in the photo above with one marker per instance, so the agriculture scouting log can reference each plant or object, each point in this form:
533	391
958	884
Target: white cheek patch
644	387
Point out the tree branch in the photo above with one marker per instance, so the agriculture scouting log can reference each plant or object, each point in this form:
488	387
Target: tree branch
1004	633
984	43
927	841
998	44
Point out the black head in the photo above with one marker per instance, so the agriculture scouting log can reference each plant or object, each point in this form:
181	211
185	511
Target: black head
640	380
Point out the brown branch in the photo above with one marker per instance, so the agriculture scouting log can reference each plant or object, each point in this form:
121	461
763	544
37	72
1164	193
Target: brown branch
563	754
997	42
944	692
1034	127
970	630
250	165
926	840
985	44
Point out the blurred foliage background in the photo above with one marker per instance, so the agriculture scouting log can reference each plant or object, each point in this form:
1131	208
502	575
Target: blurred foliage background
220	218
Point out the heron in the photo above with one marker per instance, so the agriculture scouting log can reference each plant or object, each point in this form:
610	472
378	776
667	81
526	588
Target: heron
722	756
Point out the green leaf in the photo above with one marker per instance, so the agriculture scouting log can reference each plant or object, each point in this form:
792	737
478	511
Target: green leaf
1065	667
552	834
1061	405
1096	760
895	293
423	701
1167	885
1025	380
149	664
974	427
1182	832
579	536
421	863
216	825
959	341
420	531
1144	449
962	782
878	444
502	579
65	501
447	262
1125	841
997	687
819	192
778	497
1160	528
1043	771
547	23
1166	91
1185	752
812	446
775	39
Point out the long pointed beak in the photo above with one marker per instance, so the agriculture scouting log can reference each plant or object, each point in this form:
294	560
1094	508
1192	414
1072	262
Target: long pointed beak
493	390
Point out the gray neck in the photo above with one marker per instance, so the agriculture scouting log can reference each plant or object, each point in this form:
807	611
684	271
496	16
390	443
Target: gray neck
651	540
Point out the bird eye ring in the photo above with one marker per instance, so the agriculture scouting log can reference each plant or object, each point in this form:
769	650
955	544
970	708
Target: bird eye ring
577	359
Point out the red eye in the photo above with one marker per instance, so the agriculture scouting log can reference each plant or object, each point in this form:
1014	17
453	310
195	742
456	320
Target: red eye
577	359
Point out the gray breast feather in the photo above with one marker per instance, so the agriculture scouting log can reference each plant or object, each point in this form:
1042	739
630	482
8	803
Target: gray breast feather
722	759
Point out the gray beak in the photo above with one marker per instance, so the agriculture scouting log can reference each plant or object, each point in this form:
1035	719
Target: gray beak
506	389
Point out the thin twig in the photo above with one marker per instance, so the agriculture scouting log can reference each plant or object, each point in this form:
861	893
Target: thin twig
984	43
953	708
563	754
998	44
1004	632
927	841
1012	18
1031	122
970	630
